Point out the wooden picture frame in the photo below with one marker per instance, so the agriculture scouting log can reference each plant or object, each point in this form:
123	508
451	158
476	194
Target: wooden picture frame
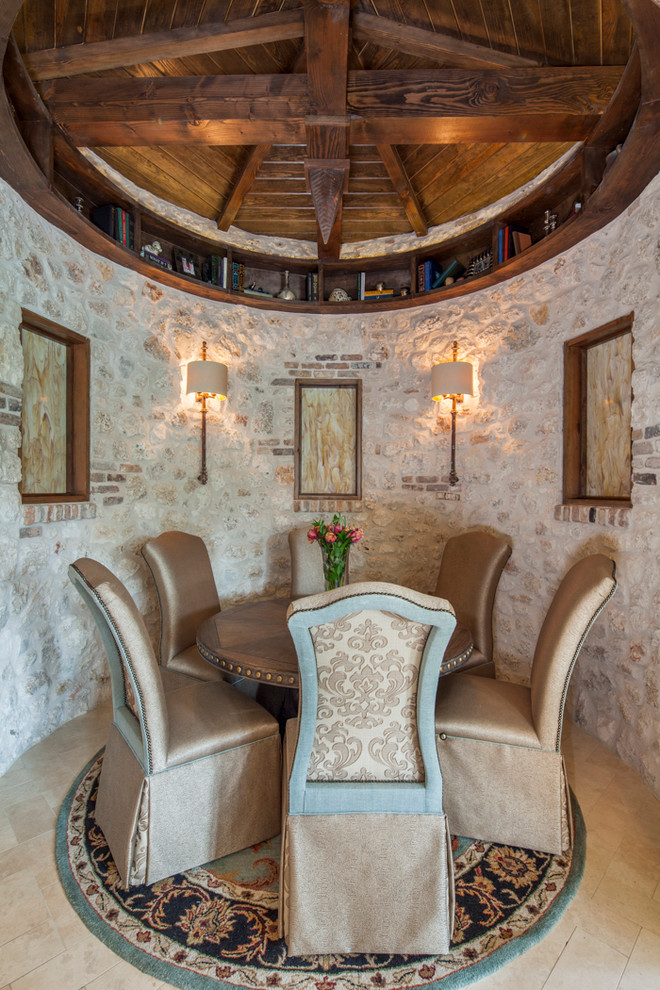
55	431
328	439
598	367
186	263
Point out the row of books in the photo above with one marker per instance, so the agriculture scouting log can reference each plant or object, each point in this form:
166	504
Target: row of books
214	270
511	240
430	275
363	293
116	222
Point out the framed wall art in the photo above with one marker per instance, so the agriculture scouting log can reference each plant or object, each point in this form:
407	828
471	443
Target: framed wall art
328	439
598	398
55	412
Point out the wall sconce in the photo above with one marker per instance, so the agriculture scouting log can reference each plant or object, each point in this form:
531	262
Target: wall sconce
452	380
207	379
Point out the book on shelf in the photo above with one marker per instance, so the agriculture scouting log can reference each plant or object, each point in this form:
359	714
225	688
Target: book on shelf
237	276
312	286
378	293
257	292
116	222
361	282
522	239
427	272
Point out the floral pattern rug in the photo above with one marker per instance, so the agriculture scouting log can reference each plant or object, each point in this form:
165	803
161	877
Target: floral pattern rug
217	925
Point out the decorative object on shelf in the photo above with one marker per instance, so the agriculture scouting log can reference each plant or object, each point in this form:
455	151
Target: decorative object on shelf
154	248
452	380
154	253
208	380
549	222
404	290
186	264
335	539
339	295
286	292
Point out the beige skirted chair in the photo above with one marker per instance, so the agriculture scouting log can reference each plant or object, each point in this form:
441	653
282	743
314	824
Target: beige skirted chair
470	570
366	853
306	564
181	569
187	776
499	744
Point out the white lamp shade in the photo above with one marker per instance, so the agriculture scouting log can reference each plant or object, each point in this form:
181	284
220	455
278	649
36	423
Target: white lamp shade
451	378
209	377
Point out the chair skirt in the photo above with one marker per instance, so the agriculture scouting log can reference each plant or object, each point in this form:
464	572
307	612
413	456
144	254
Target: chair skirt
514	795
188	814
367	883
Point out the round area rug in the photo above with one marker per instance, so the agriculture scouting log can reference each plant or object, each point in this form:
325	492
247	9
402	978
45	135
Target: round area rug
216	926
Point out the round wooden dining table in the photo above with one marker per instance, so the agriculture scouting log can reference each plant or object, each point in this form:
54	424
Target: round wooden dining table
253	641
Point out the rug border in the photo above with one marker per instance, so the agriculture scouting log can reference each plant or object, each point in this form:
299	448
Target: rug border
168	972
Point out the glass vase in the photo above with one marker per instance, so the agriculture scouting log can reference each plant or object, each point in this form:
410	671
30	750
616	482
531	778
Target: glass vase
334	566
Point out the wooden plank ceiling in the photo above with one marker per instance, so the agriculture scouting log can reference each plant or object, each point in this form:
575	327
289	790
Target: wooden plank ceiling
326	120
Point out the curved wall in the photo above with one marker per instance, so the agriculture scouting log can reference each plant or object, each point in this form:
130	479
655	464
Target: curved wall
145	459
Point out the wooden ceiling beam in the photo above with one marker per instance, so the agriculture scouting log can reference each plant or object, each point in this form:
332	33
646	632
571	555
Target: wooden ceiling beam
570	91
428	92
404	189
189	98
523	129
242	185
540	128
118	134
429	44
74	60
327	38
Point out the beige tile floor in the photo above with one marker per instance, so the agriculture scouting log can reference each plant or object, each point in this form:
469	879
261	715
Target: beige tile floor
608	939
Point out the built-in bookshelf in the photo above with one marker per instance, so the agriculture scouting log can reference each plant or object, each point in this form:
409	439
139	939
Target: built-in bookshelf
548	221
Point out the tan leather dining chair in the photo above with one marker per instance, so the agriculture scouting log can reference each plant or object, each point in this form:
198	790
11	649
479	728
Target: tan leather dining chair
499	744
470	570
187	776
181	569
306	564
366	857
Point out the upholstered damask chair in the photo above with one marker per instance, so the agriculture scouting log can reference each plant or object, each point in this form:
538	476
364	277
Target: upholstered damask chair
187	776
470	570
499	744
181	569
366	857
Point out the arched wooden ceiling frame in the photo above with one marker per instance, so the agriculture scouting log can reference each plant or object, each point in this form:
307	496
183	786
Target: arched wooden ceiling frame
29	135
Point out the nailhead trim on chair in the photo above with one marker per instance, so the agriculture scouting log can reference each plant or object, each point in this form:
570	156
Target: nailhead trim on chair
136	690
560	719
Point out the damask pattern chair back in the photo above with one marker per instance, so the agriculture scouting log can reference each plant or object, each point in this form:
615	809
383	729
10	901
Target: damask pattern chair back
363	772
367	665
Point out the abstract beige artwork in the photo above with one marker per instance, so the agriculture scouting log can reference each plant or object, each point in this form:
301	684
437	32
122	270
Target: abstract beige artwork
328	440
44	427
608	400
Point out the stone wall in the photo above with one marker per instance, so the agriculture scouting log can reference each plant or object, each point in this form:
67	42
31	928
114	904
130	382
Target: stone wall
145	460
